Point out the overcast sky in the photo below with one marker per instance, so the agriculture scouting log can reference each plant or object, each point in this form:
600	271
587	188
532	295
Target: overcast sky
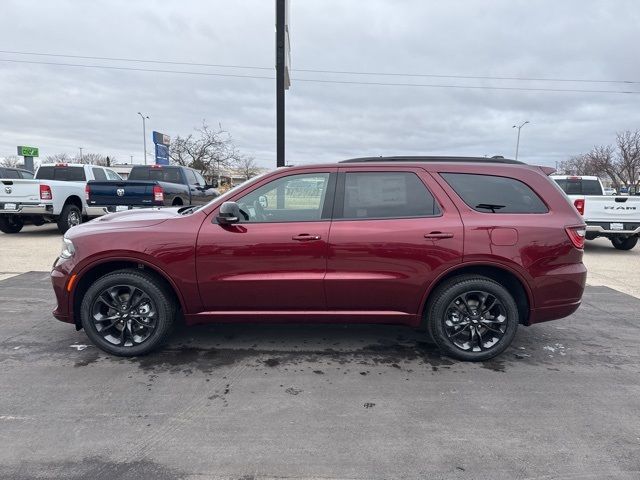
61	108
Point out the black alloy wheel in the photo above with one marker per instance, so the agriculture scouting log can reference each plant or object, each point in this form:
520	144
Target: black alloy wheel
127	313
472	317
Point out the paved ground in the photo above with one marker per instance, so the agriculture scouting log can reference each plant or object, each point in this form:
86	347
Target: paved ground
241	402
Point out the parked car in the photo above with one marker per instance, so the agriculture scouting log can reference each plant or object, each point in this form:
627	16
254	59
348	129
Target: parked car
56	194
610	191
10	172
150	186
614	217
469	248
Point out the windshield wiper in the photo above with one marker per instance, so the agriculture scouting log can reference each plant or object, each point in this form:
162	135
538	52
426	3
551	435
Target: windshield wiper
490	206
187	210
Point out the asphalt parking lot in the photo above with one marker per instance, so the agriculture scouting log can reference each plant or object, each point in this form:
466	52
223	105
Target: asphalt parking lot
322	402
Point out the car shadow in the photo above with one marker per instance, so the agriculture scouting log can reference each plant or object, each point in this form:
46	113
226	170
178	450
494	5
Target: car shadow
207	348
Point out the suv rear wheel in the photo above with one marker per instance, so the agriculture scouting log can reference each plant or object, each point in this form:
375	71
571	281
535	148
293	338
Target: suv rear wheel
127	313
472	317
624	243
10	223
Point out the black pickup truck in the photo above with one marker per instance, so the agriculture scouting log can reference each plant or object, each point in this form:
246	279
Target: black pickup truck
150	186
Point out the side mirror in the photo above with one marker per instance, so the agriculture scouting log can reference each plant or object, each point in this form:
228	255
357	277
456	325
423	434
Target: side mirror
229	213
263	201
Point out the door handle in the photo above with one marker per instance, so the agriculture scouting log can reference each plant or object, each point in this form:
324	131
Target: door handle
305	237
438	235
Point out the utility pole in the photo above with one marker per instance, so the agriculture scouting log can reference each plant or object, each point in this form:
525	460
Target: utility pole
80	148
280	80
144	134
519	127
131	159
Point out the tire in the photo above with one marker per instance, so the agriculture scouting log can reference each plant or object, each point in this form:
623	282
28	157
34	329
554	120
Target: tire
11	223
70	217
115	331
624	243
465	332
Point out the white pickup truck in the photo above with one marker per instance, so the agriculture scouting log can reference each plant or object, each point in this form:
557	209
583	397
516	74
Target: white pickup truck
614	217
56	194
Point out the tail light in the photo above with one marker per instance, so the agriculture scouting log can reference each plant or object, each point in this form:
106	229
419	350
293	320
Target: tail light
576	235
45	192
579	204
86	192
158	194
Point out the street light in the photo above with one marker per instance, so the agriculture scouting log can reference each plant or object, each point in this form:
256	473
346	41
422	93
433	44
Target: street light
519	127
144	134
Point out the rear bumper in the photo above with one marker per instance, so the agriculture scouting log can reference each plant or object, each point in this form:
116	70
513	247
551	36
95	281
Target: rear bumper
559	293
29	209
601	228
96	211
553	313
104	210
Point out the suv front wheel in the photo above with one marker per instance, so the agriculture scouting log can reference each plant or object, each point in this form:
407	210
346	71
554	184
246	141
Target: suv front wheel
472	317
127	313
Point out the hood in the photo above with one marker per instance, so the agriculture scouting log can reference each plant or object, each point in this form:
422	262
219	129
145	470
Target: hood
140	218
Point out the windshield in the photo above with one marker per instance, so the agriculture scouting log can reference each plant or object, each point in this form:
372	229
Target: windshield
225	196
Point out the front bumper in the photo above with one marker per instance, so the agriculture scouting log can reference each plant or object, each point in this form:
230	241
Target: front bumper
28	209
59	280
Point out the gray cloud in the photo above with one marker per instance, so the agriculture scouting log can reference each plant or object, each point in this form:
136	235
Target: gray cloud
61	108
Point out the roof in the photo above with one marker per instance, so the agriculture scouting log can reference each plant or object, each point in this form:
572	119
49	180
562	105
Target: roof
494	159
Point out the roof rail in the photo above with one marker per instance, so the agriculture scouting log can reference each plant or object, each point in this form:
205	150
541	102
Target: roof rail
494	159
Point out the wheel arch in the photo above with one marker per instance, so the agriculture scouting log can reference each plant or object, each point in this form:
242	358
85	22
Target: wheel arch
73	200
508	278
99	268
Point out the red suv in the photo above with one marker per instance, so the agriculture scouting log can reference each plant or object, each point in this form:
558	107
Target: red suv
468	248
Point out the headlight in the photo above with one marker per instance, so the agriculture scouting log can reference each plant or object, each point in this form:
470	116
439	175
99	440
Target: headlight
68	250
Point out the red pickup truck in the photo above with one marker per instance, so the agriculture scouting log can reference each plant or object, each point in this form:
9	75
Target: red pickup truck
469	248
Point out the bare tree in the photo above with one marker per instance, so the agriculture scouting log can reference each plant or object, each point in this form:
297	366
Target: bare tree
246	166
207	150
87	159
619	162
12	161
628	157
59	158
602	158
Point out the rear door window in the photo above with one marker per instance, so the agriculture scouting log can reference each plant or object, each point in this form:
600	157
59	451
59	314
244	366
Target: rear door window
64	174
9	173
494	194
99	174
380	195
191	177
111	175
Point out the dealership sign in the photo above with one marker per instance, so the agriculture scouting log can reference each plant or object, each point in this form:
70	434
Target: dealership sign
28	151
162	142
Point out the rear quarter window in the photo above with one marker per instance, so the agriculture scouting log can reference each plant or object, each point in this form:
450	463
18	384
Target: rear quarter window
494	194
